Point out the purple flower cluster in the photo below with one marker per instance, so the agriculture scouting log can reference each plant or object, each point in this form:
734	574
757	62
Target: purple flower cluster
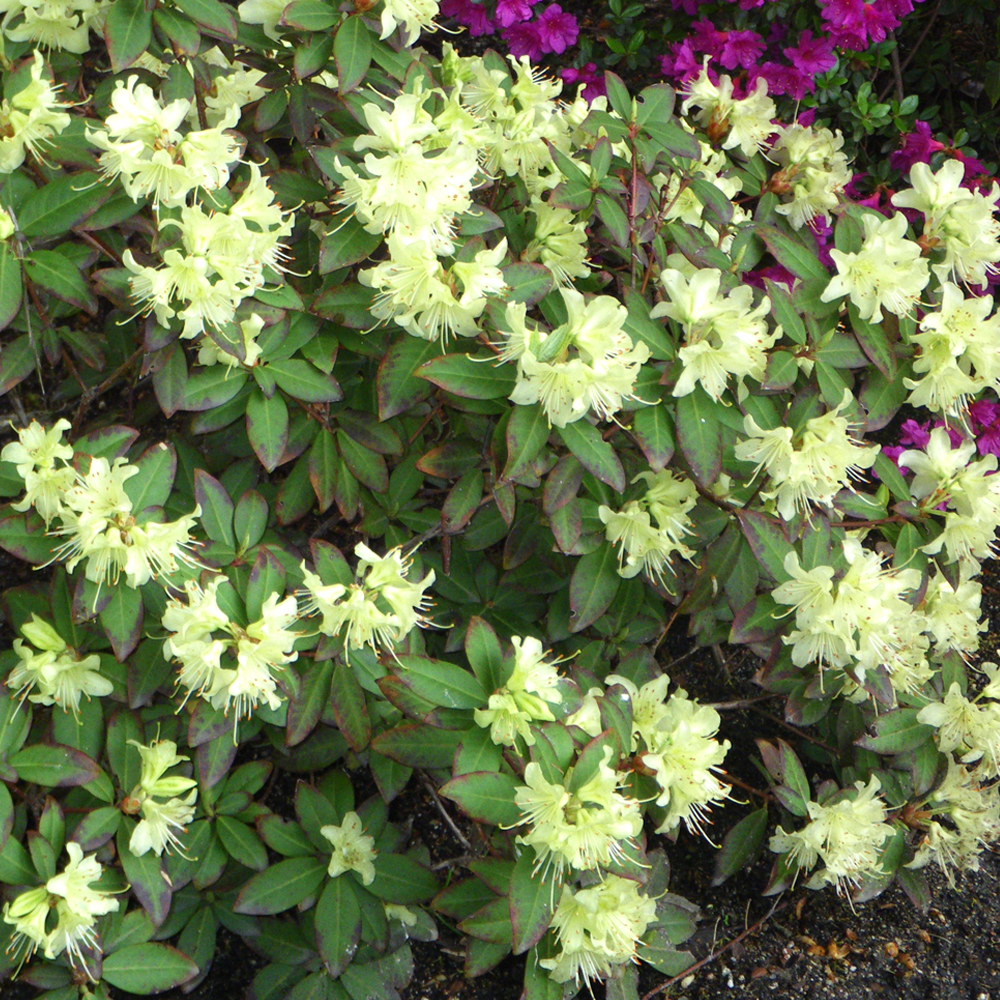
735	50
855	24
552	32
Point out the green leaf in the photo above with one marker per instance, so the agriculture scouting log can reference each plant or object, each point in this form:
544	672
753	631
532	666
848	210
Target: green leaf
284	836
216	18
486	796
305	382
128	31
882	397
60	277
145	875
10	286
526	434
889	473
198	940
399	387
23	535
59	205
148	968
352	51
54	766
584	440
7	814
613	216
783	310
216	508
531	901
593	587
267	428
346	244
418	745
281	886
441	682
897	732
210	388
793	255
654	433
471	379
528	283
768	539
241	843
402	879
151	486
368	467
309	15
347	699
267	577
699	434
482	649
122	620
874	342
338	925
643	329
742	844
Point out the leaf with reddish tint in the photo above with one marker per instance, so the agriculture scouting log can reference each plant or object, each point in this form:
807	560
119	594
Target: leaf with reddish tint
281	886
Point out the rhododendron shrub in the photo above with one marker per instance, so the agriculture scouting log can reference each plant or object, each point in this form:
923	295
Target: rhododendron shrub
375	417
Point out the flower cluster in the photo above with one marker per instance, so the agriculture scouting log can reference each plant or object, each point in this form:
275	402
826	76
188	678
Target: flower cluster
845	834
960	222
724	334
744	122
969	726
966	492
811	467
224	258
143	147
60	915
959	352
95	513
54	24
813	172
598	928
968	821
862	623
353	850
641	546
52	673
888	270
225	253
524	698
202	633
587	364
676	739
582	828
31	116
552	31
377	608
155	831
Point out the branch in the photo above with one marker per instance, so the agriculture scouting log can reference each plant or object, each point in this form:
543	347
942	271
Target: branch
776	908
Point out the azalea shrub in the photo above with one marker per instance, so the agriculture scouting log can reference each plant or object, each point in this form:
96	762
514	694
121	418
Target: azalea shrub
376	415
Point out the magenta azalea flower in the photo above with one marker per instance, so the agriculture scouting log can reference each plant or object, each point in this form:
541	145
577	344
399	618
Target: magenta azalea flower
472	15
556	31
741	48
513	11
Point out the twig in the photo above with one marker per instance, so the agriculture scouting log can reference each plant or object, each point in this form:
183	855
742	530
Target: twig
913	51
896	70
462	859
729	706
796	730
89	395
718	953
445	815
